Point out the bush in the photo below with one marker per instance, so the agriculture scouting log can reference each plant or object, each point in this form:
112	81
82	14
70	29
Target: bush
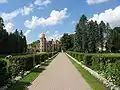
17	65
3	72
87	59
37	58
107	64
80	56
24	63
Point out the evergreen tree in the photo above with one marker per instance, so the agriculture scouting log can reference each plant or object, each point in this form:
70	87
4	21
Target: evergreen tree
24	44
80	35
66	42
114	40
102	30
93	36
12	42
3	38
21	42
108	30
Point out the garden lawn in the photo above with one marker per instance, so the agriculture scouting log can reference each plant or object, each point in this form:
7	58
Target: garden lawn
91	80
26	81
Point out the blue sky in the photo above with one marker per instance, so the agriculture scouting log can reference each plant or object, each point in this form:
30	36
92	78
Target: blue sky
55	17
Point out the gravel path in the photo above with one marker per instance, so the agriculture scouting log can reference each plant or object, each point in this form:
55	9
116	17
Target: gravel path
60	75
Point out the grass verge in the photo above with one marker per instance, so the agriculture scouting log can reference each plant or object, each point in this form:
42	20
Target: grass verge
91	80
26	81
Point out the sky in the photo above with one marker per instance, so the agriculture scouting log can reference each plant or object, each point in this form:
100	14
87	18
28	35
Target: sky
55	17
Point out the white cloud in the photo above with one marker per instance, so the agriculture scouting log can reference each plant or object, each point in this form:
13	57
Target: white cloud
23	11
55	35
74	22
112	16
9	27
9	16
26	10
3	1
91	2
27	32
42	2
33	23
54	18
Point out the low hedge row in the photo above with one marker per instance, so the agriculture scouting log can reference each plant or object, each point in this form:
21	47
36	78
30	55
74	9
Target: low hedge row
17	65
107	64
24	63
50	54
4	74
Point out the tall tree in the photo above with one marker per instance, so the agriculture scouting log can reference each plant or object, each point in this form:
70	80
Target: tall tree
102	30
80	35
12	42
24	44
67	42
21	42
114	40
93	36
3	37
108	31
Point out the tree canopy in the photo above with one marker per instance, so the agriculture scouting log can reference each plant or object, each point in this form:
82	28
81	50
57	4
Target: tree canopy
91	37
67	42
11	42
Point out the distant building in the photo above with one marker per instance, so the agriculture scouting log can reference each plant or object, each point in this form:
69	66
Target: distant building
44	45
48	46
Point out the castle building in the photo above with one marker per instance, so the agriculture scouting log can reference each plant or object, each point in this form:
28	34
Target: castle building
43	43
48	46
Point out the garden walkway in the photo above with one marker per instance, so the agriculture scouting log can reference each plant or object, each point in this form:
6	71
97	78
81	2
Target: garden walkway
60	75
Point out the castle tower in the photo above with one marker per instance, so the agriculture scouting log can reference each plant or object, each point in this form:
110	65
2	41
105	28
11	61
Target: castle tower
43	43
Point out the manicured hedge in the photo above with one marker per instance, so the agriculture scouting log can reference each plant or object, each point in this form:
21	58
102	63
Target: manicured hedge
78	56
17	65
50	54
26	62
3	72
107	64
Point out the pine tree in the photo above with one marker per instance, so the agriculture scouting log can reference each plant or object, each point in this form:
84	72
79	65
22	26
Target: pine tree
80	35
67	42
102	31
3	37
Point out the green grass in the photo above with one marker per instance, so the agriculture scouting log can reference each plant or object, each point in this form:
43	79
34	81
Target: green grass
91	80
26	81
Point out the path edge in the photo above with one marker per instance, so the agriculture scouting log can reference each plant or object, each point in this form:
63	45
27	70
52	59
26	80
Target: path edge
96	75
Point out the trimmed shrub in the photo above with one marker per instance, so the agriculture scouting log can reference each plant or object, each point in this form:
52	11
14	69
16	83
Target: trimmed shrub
87	59
80	56
3	72
17	65
37	58
107	64
24	63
